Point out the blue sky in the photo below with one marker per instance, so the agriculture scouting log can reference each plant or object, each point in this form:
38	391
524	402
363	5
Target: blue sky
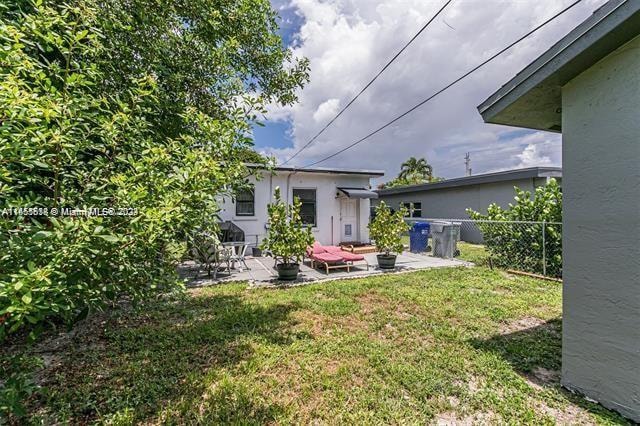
277	134
274	134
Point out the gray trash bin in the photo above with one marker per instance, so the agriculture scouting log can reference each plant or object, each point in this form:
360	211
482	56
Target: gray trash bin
457	233
445	236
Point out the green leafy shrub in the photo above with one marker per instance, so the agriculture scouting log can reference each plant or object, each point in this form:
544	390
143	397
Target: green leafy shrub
287	238
387	228
100	108
519	246
16	385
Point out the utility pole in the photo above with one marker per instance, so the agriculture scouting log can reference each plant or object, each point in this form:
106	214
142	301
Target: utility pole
467	164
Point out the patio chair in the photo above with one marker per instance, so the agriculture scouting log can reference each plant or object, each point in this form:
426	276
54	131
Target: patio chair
332	257
206	250
238	255
346	255
327	260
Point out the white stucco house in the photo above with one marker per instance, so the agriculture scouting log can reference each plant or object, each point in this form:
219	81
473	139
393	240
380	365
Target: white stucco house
335	202
587	86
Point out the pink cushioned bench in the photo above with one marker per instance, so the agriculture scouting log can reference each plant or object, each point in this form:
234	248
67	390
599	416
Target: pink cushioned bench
332	257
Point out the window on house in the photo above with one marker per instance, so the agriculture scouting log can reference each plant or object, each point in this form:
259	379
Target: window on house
308	210
407	206
416	210
413	209
245	203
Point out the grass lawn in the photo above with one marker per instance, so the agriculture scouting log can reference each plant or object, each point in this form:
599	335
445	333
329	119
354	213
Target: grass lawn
475	253
449	345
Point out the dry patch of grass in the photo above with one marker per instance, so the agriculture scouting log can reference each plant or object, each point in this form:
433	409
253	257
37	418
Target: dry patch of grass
320	325
452	418
542	377
521	324
565	415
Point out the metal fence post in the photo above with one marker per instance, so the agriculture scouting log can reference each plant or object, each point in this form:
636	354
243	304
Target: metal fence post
544	250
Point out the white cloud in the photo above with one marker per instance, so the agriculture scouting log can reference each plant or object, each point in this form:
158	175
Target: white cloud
531	156
540	149
326	110
348	41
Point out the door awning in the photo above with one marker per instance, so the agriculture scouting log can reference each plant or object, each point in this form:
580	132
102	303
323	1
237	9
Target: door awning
358	192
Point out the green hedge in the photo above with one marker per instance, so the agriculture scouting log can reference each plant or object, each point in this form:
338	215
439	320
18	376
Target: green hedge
520	245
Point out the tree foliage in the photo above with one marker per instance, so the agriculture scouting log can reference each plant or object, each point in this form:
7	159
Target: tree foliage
414	171
416	168
252	157
135	106
520	245
287	237
215	56
386	228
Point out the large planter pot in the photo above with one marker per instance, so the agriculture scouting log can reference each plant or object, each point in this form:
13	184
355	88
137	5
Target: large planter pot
386	261
288	271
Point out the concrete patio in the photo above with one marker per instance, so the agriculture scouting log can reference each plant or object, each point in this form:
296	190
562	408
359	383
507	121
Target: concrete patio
262	274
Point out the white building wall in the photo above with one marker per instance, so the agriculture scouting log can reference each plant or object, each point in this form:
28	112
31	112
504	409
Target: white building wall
328	226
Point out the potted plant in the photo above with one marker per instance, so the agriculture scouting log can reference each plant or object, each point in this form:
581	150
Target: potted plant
386	231
287	237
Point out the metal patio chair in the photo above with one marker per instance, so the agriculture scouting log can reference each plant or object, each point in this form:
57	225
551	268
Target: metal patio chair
206	250
239	251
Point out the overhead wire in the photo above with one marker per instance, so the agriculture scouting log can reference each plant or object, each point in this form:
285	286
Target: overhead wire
446	87
384	68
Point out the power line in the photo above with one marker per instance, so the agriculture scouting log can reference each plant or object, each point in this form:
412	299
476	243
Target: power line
368	84
465	75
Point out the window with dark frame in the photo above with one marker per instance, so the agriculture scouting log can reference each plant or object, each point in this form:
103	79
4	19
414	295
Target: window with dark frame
416	210
408	207
308	209
413	209
245	203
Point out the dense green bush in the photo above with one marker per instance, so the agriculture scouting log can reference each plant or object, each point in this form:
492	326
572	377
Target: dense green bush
519	245
16	384
287	238
79	129
387	228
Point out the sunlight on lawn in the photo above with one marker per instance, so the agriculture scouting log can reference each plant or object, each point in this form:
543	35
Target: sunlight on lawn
448	344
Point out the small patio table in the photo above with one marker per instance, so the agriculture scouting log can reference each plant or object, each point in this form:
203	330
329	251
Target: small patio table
239	249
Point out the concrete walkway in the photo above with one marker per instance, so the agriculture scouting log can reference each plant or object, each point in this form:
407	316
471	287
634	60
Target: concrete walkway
262	274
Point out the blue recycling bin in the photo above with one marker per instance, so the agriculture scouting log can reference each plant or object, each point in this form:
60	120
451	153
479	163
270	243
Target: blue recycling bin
419	237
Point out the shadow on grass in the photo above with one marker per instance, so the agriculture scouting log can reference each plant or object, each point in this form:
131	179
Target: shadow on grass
536	354
174	356
529	350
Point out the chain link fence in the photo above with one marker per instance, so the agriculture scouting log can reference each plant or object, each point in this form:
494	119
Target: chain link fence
534	247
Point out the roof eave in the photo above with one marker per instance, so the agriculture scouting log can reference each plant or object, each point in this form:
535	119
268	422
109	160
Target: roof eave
487	178
292	169
532	99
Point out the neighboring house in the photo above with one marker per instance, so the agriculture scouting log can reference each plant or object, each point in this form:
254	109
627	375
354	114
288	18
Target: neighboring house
335	202
452	197
587	86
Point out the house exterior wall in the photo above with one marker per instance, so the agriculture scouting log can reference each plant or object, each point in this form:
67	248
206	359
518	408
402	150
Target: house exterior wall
327	230
601	235
452	203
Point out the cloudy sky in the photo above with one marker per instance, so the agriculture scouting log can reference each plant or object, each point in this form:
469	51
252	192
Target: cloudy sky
348	41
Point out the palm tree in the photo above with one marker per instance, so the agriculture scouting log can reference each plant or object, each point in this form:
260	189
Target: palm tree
415	168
